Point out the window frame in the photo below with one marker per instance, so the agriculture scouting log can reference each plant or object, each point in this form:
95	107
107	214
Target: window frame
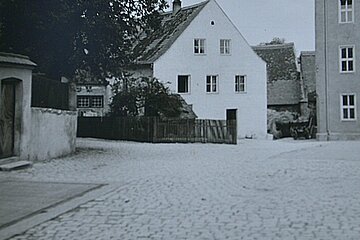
90	99
199	53
188	83
224	46
238	84
347	107
347	59
346	11
211	84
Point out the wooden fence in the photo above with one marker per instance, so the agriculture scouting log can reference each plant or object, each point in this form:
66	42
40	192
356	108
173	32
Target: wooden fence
48	93
150	129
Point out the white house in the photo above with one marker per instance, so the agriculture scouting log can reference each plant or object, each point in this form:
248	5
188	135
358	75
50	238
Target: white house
207	60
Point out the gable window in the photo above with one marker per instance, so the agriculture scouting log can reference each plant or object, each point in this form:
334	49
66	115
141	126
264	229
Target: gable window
199	46
225	46
348	107
347	59
240	83
183	84
90	101
212	84
346	12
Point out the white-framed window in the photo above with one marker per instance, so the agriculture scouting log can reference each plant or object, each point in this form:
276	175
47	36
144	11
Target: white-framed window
347	59
346	11
240	83
90	101
212	84
183	84
225	46
199	46
348	107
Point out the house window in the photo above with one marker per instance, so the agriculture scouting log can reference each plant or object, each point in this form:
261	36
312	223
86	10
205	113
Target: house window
225	46
347	59
348	107
183	84
240	83
212	84
199	46
90	101
346	13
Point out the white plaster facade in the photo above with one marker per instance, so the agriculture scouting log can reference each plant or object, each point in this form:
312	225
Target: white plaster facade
180	59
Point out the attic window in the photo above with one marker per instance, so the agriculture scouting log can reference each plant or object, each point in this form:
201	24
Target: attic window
212	23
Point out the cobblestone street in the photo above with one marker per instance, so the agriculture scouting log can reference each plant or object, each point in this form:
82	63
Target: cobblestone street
264	190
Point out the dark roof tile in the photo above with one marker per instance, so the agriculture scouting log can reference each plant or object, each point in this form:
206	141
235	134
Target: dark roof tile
158	41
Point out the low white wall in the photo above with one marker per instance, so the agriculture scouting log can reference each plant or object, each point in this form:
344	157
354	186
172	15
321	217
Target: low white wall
53	133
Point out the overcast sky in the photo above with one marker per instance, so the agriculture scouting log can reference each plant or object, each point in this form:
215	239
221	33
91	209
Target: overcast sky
262	20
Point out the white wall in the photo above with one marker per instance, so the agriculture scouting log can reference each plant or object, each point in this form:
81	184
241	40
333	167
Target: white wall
53	133
180	60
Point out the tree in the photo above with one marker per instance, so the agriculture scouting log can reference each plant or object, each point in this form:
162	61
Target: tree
147	96
76	38
274	41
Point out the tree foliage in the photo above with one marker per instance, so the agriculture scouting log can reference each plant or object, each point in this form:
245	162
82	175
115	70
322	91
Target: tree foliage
143	96
76	37
274	41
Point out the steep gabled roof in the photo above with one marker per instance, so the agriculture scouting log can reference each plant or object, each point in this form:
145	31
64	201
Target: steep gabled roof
157	42
280	59
283	77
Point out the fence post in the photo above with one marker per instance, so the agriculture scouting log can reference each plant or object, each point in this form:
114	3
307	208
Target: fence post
155	130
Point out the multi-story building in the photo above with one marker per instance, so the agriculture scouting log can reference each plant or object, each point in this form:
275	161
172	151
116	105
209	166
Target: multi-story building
338	79
206	60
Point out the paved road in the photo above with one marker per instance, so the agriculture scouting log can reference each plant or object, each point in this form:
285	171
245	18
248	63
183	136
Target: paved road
299	190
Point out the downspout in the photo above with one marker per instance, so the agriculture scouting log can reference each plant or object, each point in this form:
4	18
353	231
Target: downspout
326	74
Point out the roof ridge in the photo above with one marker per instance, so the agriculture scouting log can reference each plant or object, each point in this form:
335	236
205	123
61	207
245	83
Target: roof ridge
283	45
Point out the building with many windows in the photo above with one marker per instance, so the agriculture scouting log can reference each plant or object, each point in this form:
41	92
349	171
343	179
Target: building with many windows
337	77
205	59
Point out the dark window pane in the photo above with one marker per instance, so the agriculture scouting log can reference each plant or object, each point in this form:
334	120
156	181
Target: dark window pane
183	83
352	113
343	2
351	66
343	53
349	2
345	113
343	66
352	100
350	52
345	101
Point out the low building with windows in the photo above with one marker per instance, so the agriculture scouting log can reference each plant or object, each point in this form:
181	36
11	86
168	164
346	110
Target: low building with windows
205	59
337	77
93	99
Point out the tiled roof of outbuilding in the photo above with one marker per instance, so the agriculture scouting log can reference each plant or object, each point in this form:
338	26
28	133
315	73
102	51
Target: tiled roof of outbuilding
157	42
283	77
16	59
280	59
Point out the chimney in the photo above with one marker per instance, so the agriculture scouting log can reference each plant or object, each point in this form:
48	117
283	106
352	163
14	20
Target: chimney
176	6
